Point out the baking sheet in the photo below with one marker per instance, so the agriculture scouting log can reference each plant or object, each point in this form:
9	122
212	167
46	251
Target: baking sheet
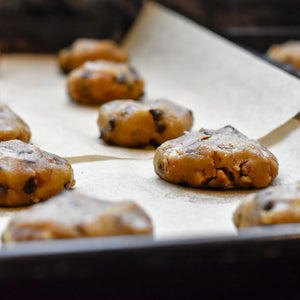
184	62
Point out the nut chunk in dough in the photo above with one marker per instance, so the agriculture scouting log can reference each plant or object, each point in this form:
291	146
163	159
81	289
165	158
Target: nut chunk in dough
223	158
29	175
96	82
139	123
83	50
275	205
12	126
73	215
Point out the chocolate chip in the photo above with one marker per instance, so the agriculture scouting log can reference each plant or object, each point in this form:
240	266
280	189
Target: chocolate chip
269	205
156	114
161	128
190	112
86	74
228	174
3	190
112	124
121	78
30	186
154	143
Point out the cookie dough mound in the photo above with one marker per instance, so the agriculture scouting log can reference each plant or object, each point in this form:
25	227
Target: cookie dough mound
136	124
100	81
223	158
275	205
288	52
72	215
29	175
83	50
12	126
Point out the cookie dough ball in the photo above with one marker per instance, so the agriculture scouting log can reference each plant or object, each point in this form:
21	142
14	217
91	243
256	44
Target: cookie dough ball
136	124
288	52
83	50
29	175
223	158
275	205
72	215
100	81
12	126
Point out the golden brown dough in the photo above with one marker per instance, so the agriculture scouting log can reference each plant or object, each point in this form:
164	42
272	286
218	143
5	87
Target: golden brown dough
132	123
275	205
83	50
223	158
29	175
288	52
72	215
100	81
12	126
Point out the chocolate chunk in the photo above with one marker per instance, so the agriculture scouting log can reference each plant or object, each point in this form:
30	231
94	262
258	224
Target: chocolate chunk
3	190
154	143
156	114
228	173
30	186
86	74
112	124
190	112
121	78
269	205
161	128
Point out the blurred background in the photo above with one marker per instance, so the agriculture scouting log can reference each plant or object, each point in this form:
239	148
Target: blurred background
48	25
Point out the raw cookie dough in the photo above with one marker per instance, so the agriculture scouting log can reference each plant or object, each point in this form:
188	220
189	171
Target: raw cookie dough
100	81
72	215
12	126
288	52
29	175
275	205
136	124
223	158
83	50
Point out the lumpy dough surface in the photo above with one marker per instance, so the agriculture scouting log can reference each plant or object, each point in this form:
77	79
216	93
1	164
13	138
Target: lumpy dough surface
83	50
223	158
29	175
96	82
12	126
139	123
72	215
275	205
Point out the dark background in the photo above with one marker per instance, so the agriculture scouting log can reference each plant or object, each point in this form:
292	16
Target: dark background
48	25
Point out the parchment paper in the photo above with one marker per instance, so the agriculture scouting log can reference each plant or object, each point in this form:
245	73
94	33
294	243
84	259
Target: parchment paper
222	83
35	89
